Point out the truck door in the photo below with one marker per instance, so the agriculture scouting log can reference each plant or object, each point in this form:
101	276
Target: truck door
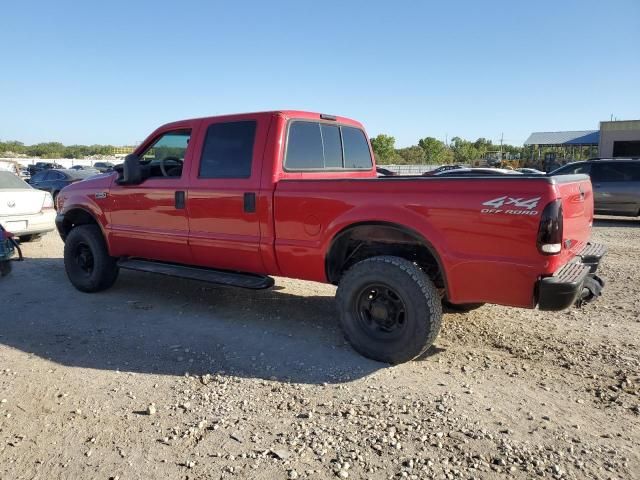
224	202
149	220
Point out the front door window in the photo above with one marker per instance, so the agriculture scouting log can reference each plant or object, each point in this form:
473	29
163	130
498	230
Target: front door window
165	157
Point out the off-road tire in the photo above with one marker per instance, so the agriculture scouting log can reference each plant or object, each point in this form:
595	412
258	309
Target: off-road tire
104	270
448	307
422	315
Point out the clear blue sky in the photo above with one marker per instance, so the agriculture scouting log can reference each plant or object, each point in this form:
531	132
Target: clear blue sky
110	72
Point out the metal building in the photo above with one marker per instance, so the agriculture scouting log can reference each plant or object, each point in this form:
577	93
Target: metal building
564	146
619	139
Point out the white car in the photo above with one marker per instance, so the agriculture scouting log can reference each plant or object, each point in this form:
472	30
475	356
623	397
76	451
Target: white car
24	211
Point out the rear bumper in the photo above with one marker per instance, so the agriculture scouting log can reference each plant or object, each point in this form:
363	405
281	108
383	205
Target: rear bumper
575	282
30	224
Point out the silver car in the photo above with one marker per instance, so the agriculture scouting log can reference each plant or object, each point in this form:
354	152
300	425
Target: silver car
616	184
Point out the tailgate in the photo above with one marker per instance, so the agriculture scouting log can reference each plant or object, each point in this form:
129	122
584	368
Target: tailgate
577	211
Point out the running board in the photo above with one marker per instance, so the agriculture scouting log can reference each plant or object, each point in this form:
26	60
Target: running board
209	275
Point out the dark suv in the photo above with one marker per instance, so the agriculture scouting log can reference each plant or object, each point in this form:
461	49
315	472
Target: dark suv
616	183
40	166
103	167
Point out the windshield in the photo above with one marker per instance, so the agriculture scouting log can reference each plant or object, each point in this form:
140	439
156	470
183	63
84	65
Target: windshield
9	180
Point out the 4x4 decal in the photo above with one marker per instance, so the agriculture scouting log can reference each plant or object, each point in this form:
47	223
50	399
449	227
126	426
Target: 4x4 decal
513	205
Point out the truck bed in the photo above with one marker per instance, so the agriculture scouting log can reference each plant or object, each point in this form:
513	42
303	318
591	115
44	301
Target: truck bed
488	250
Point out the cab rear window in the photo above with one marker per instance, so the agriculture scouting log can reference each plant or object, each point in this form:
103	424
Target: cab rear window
322	146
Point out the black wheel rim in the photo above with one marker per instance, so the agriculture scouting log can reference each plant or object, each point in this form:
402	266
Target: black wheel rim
381	311
84	258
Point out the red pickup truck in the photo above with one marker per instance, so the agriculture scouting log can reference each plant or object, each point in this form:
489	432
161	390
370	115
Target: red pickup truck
234	199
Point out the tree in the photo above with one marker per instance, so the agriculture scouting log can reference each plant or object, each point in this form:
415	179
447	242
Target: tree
434	149
446	158
463	150
412	155
384	148
46	150
483	145
12	146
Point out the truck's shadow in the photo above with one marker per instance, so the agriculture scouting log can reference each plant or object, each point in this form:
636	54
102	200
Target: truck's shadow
161	325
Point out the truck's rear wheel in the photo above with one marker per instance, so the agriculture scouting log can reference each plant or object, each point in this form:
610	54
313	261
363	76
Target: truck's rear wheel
390	310
87	261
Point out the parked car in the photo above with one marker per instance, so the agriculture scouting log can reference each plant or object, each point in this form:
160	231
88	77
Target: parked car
616	184
24	174
296	194
40	166
476	172
385	172
54	180
442	168
103	167
84	167
24	211
531	171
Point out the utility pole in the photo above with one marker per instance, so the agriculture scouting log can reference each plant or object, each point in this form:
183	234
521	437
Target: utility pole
501	140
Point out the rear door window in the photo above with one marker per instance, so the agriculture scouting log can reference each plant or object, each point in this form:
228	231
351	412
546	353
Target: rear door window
39	177
321	146
613	172
53	175
631	170
228	150
634	168
573	169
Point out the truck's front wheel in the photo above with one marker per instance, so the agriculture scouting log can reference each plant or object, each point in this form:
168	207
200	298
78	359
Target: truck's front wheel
390	310
87	261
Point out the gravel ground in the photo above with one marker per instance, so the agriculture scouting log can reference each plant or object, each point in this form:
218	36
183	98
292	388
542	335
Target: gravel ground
164	378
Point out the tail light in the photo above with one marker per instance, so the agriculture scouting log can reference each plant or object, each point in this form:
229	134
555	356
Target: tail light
550	230
48	201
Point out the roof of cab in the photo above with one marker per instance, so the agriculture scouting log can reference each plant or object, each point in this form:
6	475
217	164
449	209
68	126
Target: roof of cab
288	114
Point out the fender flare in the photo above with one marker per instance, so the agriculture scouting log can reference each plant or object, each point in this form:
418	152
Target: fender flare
403	229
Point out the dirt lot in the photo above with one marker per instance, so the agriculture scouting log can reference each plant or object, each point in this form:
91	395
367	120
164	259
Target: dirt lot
163	378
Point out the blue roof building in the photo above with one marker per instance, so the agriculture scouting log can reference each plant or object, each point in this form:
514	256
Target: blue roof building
559	139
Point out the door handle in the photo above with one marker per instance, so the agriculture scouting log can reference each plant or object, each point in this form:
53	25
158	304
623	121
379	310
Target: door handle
180	197
249	202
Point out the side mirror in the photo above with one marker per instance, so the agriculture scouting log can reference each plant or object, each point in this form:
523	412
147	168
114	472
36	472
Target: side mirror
131	172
